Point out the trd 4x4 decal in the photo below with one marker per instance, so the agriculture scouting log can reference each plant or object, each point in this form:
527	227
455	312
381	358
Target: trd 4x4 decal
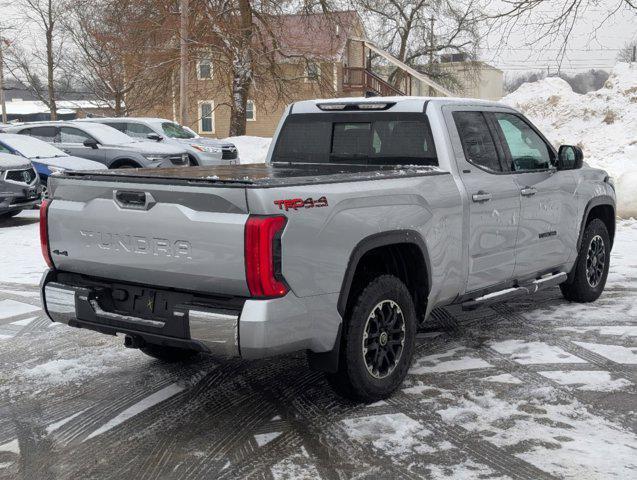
296	203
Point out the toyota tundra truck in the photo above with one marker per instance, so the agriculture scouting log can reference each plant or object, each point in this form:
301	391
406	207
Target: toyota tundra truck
367	215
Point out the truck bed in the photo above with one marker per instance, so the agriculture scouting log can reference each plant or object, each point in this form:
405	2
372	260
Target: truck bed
259	175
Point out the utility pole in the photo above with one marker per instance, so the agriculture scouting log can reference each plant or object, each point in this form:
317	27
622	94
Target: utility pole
634	56
431	50
183	61
2	99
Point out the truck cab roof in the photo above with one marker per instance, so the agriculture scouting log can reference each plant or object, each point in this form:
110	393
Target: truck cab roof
393	104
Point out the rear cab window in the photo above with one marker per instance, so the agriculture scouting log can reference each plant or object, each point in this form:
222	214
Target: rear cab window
356	138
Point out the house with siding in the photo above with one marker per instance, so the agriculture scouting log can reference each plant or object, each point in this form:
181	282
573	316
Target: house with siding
323	56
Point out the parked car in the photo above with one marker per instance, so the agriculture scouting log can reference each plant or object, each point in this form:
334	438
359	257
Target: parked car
201	150
369	214
45	158
104	144
19	185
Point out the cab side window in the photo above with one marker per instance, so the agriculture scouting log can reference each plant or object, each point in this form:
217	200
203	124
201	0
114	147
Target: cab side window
528	151
477	142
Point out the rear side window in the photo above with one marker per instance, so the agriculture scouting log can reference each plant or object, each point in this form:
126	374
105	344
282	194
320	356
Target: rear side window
73	135
137	130
117	126
527	149
477	142
47	134
346	138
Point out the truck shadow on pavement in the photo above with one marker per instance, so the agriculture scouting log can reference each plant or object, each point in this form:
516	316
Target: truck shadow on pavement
536	388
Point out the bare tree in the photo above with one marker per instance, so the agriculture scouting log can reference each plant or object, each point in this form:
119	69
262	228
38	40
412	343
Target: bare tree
417	32
556	27
123	52
30	64
628	52
244	39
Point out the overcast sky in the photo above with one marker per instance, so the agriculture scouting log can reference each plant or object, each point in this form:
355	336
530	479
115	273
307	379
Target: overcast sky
591	45
594	43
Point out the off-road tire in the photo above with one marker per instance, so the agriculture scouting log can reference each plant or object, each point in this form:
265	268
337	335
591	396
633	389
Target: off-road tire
579	288
353	380
168	354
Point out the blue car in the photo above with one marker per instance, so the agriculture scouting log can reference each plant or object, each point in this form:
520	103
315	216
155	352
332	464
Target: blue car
45	158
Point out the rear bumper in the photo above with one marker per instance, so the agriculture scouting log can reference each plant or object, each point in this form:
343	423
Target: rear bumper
260	328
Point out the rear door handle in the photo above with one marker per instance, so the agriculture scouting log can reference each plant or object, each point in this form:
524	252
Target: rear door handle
528	191
481	196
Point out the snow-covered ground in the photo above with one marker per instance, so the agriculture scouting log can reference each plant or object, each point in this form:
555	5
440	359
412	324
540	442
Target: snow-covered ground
535	388
603	123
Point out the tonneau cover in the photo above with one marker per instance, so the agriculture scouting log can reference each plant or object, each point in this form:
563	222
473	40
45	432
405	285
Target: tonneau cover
260	175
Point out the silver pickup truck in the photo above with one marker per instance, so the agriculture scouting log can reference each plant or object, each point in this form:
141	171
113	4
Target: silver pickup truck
368	214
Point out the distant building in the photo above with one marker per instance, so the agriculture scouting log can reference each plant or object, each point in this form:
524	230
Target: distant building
23	106
477	79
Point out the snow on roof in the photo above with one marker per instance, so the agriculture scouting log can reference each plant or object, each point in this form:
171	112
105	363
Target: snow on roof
30	107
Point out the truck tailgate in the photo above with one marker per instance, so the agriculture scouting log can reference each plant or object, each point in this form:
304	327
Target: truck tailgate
180	236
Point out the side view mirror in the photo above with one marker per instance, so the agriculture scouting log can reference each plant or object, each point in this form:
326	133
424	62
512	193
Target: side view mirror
90	142
154	136
570	157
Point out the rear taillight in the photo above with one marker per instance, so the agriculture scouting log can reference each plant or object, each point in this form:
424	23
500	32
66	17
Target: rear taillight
44	232
263	256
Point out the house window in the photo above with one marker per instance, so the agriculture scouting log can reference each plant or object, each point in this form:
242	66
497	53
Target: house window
204	69
206	117
251	111
312	72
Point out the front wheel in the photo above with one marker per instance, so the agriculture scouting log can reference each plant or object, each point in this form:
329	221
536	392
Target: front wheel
378	344
591	268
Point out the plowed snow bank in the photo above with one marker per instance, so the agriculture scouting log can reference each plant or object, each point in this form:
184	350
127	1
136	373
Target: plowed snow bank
603	123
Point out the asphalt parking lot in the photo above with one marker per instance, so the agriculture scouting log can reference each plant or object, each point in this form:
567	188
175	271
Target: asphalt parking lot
533	389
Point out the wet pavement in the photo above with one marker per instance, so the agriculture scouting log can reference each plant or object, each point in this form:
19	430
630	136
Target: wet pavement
532	389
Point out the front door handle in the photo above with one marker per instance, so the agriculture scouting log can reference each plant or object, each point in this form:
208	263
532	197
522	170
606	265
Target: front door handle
528	191
481	196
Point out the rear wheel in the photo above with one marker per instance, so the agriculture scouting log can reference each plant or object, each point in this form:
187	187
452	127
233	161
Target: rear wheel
126	164
591	268
168	354
378	343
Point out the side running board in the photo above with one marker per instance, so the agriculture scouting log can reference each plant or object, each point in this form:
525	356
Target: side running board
509	293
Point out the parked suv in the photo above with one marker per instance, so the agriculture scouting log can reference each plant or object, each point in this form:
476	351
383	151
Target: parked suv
104	144
201	151
369	214
19	185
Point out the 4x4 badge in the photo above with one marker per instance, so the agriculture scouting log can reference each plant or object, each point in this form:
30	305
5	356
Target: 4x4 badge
296	203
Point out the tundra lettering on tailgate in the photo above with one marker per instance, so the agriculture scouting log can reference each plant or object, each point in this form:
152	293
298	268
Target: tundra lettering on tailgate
117	242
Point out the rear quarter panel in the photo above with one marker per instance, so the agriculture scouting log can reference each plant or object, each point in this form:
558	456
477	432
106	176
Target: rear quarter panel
318	242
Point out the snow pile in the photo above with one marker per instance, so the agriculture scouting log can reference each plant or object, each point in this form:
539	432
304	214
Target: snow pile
21	260
251	149
603	123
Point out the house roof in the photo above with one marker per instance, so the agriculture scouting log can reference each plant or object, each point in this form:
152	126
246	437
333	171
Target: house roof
320	36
